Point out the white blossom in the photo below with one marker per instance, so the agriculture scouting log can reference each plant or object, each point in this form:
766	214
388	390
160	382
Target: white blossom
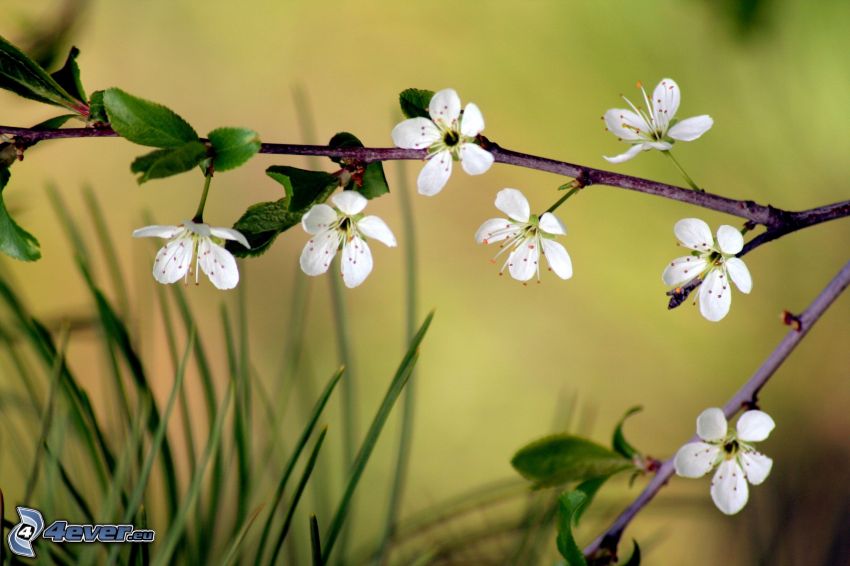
731	452
712	260
196	241
526	236
655	126
449	136
342	227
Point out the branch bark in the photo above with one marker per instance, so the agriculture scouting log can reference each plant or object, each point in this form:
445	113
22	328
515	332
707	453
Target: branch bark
746	396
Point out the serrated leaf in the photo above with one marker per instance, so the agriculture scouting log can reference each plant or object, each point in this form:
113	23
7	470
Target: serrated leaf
563	458
619	442
232	147
25	77
68	77
261	224
144	122
414	102
14	240
162	163
569	504
373	182
303	188
97	111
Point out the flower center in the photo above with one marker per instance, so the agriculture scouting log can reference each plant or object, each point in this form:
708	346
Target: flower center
451	138
731	448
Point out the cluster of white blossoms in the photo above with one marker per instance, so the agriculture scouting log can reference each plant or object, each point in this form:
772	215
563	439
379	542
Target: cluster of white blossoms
731	452
655	126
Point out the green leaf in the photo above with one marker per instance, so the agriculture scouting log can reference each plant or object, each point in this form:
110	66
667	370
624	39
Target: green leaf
634	559
303	188
54	123
25	77
14	240
144	122
618	442
68	77
97	111
369	181
232	147
414	102
562	458
261	224
589	488
166	162
569	504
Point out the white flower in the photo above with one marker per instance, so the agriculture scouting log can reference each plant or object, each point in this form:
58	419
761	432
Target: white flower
449	135
527	237
732	453
712	260
199	241
650	128
343	226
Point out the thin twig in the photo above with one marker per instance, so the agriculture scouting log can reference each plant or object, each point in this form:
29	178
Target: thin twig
745	397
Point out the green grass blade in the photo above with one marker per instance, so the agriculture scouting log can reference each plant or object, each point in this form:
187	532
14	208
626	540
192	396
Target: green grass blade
157	441
178	522
396	386
243	398
233	552
299	490
110	255
315	542
409	402
296	452
47	414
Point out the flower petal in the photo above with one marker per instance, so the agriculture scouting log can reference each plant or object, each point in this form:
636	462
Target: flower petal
729	239
712	425
523	261
173	260
551	224
374	227
157	231
665	102
349	202
318	219
474	159
229	234
557	257
715	296
472	122
690	129
356	262
444	107
319	251
632	151
739	274
513	203
218	263
683	269
694	234
495	230
695	459
416	133
625	124
435	174
756	466
659	145
754	426
729	488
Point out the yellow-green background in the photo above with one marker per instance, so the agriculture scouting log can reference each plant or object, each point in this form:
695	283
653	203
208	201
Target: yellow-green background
501	358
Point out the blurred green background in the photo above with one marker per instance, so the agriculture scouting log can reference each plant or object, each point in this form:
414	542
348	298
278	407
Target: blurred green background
502	362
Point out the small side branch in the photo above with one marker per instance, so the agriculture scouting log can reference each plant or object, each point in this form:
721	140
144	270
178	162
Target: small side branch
744	398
